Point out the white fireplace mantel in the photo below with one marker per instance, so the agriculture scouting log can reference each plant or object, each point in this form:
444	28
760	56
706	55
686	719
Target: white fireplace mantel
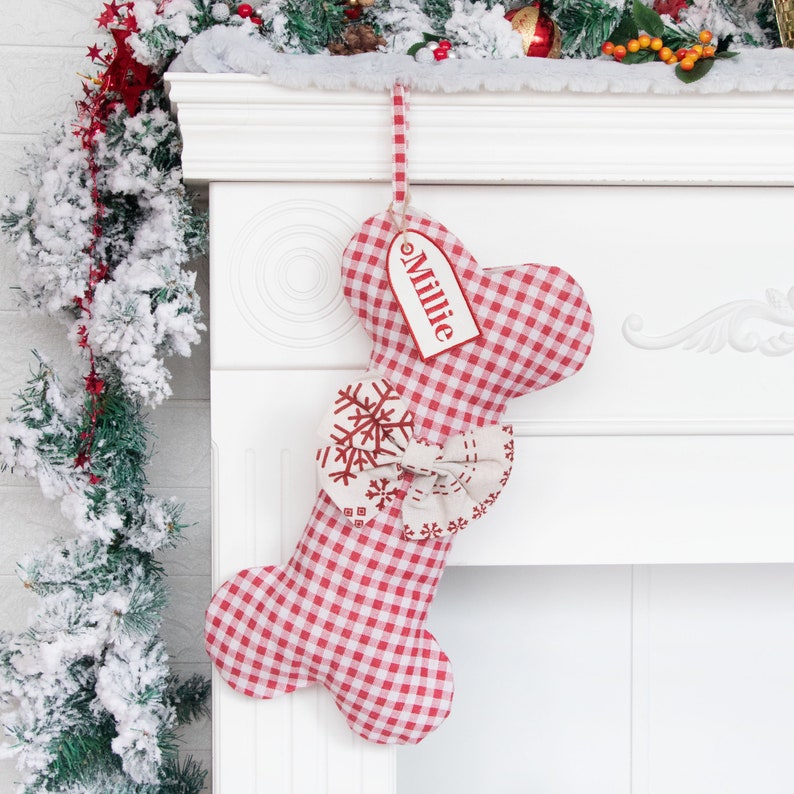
244	128
674	444
652	202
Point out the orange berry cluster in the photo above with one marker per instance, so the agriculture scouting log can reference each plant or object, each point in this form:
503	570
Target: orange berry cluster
686	56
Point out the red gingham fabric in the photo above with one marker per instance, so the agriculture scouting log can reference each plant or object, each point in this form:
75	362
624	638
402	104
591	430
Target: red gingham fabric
399	147
348	610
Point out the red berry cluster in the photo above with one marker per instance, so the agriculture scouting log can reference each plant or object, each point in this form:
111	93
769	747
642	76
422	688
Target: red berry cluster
686	56
442	51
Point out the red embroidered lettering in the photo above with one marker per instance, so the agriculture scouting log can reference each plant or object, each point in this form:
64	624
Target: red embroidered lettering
429	294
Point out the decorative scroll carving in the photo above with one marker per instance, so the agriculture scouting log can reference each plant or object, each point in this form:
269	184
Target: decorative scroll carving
285	273
744	325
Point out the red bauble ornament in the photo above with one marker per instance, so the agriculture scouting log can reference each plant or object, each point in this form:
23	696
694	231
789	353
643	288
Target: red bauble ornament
671	7
539	32
245	10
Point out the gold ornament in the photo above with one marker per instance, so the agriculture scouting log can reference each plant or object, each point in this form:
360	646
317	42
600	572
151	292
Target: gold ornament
784	11
540	35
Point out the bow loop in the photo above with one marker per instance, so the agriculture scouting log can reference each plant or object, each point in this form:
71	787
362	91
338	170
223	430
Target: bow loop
372	445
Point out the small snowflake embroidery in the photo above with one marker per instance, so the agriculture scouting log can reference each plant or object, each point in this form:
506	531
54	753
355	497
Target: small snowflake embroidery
505	477
380	492
430	530
489	500
479	511
456	525
510	450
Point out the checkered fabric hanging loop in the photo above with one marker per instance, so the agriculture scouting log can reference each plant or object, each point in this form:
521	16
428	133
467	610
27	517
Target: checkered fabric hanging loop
400	192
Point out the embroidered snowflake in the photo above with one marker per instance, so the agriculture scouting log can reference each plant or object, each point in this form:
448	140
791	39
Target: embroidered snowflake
380	492
351	462
430	530
372	420
489	500
373	413
456	525
479	511
510	450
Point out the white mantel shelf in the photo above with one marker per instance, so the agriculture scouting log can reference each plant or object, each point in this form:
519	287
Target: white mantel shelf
272	133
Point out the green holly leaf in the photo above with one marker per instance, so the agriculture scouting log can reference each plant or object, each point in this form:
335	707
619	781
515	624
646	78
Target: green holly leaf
426	39
701	69
726	54
627	29
647	19
641	56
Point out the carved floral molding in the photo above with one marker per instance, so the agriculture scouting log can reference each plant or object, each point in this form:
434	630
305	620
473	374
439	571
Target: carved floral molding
734	324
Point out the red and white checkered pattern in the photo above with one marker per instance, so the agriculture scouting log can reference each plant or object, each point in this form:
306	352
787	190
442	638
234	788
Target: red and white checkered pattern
399	103
536	330
349	608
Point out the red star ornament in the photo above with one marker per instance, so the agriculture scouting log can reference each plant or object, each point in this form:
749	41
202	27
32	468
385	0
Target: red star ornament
130	23
95	53
105	18
125	76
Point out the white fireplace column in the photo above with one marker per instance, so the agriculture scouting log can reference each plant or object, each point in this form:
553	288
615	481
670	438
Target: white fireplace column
673	444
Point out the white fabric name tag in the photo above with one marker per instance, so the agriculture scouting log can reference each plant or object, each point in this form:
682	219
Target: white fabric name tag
429	294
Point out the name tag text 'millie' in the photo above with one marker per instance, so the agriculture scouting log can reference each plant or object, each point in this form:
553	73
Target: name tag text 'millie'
429	294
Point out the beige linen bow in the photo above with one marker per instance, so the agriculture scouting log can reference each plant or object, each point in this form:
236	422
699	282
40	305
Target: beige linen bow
373	446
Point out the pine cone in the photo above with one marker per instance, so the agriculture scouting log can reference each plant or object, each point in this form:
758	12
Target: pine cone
357	39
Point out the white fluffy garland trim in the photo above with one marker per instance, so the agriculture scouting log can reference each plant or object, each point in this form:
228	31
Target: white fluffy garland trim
224	50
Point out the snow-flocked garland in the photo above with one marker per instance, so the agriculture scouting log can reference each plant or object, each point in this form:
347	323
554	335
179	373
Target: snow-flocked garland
475	28
103	237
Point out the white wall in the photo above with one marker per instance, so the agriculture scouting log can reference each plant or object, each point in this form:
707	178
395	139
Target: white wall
42	46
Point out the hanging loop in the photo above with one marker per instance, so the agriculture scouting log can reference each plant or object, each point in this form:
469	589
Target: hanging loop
400	192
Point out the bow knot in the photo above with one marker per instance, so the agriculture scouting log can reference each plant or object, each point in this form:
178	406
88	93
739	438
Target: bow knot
420	456
372	446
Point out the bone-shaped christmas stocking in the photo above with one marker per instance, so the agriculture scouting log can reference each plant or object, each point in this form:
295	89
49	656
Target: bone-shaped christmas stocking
414	452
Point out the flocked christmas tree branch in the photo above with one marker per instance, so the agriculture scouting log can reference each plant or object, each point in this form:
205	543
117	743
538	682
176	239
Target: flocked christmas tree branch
103	237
